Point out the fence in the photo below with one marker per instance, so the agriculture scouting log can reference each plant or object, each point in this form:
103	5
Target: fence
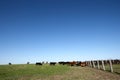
106	65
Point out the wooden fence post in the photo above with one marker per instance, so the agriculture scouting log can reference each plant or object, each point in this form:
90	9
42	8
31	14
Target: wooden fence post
87	63
103	65
98	66
111	68
93	64
90	64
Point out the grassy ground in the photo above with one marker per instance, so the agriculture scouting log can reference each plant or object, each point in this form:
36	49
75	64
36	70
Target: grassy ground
58	72
16	72
116	68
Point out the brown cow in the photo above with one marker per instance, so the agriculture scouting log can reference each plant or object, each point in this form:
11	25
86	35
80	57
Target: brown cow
83	64
72	63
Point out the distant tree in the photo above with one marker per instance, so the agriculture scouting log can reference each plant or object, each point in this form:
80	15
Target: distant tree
10	63
28	62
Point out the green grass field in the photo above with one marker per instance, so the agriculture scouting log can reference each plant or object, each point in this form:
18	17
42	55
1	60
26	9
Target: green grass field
57	72
14	72
116	68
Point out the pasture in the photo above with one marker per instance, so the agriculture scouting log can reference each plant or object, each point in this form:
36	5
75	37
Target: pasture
57	72
116	68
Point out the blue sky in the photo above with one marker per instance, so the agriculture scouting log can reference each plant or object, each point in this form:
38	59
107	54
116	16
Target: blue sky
59	30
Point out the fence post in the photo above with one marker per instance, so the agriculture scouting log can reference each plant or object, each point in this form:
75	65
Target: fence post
90	64
103	65
98	66
111	68
87	63
93	64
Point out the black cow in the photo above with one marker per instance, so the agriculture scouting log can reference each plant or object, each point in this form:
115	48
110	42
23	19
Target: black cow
63	63
38	63
116	61
52	63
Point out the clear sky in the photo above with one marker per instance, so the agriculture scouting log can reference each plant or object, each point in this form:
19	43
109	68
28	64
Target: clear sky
59	30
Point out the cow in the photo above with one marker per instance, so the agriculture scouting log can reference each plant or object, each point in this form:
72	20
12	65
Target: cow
62	63
39	63
116	61
78	63
72	63
83	64
52	63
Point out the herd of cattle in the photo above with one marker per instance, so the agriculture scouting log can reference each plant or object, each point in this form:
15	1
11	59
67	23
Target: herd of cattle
73	63
80	63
